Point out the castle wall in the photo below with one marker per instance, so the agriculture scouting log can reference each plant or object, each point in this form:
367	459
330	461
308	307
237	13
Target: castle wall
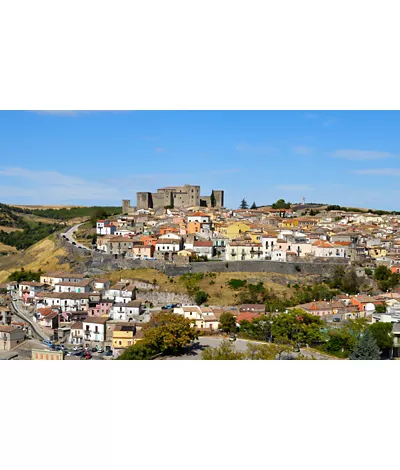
143	200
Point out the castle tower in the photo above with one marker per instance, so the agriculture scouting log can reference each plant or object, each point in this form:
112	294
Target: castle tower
126	204
219	197
143	200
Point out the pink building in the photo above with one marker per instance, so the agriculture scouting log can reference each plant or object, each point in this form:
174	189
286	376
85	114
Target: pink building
101	309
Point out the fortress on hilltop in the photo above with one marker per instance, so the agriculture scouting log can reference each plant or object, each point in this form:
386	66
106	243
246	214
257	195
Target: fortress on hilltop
175	196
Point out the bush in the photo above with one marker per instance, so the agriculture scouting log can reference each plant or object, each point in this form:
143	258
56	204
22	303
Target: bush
236	283
200	297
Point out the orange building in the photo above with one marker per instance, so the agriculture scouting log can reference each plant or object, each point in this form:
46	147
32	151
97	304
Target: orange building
148	240
193	227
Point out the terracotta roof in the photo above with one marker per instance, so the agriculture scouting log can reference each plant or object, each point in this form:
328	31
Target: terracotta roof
77	326
6	329
249	316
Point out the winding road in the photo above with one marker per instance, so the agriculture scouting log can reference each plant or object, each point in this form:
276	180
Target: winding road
69	236
19	311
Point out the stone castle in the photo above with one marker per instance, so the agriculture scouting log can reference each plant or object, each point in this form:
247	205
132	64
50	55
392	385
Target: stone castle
174	196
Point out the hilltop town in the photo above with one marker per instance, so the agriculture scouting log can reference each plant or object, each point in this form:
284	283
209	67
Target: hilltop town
222	272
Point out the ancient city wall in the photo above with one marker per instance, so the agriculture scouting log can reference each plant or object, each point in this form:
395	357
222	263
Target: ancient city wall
94	262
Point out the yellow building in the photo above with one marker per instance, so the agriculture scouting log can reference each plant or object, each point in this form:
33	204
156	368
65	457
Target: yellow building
290	223
255	236
124	335
377	252
235	229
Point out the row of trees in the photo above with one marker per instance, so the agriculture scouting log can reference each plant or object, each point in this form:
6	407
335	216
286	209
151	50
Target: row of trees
22	275
358	334
244	205
69	213
357	339
30	235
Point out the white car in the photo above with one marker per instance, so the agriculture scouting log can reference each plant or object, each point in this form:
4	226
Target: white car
77	348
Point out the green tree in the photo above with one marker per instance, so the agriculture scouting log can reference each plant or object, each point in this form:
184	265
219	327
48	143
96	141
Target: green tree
366	348
350	282
380	308
253	206
200	297
341	342
227	322
169	333
142	350
358	325
213	200
243	204
22	275
382	332
385	278
281	204
100	213
165	333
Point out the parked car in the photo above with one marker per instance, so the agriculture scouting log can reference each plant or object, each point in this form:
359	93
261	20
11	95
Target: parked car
101	350
232	337
87	356
73	243
94	350
49	344
77	348
168	307
108	353
336	319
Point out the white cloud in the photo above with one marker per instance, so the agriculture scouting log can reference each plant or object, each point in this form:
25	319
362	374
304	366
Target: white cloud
379	171
302	150
295	187
52	187
361	155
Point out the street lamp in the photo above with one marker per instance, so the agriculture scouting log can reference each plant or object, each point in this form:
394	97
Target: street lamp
270	335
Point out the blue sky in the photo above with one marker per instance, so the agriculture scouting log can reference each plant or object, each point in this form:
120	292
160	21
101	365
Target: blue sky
83	157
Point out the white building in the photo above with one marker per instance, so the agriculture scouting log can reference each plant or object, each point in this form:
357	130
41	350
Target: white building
199	217
243	251
126	311
79	287
201	317
66	301
94	331
30	289
120	293
105	227
324	249
76	334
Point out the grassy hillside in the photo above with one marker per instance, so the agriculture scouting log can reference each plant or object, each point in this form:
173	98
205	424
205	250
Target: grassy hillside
215	286
43	255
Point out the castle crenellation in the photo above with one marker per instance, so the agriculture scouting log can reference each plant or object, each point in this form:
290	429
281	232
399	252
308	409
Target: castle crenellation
175	196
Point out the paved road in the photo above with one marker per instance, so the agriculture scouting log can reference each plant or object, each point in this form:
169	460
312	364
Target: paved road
194	353
18	309
70	238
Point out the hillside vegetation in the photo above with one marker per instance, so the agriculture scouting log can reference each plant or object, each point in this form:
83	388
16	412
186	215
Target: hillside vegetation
42	255
214	284
68	213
